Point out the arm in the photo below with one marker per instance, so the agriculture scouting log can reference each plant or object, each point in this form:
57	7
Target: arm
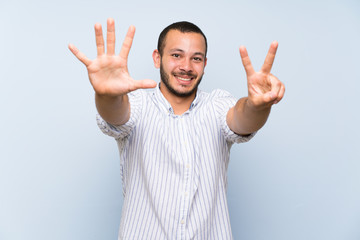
114	110
264	89
109	75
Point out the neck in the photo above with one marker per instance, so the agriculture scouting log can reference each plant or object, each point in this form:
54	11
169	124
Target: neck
179	104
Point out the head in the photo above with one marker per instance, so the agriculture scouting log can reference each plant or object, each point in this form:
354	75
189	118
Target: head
183	27
181	57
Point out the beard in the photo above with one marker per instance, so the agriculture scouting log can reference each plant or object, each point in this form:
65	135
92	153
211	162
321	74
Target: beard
165	79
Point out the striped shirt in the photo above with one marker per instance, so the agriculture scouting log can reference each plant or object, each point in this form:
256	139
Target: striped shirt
173	167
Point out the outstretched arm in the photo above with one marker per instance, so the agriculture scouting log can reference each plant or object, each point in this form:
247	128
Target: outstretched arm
264	89
109	75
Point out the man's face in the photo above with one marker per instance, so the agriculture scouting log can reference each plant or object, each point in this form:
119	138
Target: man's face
182	62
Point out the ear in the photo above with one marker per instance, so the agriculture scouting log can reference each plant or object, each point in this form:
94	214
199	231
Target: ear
205	62
157	58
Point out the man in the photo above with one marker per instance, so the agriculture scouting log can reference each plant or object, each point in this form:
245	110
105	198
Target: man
174	142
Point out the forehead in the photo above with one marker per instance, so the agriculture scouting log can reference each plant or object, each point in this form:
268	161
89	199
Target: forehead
189	41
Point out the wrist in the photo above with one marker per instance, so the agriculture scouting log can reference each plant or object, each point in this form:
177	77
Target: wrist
108	97
252	106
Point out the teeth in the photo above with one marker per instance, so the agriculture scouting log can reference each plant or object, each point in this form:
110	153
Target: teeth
184	79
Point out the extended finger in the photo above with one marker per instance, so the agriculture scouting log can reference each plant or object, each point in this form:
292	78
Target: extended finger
269	60
246	61
110	37
79	55
125	49
99	39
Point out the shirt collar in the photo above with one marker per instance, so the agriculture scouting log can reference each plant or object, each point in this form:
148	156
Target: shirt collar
166	106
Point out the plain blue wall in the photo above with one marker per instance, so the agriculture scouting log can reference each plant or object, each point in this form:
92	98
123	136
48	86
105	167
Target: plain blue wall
297	179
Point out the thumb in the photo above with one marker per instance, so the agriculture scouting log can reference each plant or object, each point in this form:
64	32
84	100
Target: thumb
145	83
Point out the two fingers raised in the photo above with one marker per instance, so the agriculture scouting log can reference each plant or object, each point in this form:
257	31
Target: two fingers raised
269	60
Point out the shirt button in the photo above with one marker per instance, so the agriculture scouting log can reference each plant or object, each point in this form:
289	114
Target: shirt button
187	166
182	221
186	194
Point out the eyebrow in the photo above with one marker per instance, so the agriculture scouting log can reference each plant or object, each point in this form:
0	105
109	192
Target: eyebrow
180	50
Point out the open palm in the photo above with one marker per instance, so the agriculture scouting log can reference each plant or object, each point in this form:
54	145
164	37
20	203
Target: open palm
108	73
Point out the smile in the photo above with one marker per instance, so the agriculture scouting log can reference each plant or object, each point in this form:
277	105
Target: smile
184	79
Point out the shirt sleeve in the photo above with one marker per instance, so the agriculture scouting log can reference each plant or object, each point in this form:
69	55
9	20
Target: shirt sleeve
223	101
123	131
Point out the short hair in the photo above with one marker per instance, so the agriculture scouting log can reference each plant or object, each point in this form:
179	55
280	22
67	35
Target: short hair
184	27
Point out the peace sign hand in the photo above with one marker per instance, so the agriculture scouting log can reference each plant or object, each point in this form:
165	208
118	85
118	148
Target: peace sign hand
264	89
108	73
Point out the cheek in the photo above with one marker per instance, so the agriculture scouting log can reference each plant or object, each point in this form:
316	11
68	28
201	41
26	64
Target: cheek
169	65
200	69
172	63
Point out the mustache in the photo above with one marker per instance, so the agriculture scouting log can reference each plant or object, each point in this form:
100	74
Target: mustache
185	74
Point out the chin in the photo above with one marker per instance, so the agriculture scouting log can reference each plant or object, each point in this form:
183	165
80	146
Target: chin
178	89
181	93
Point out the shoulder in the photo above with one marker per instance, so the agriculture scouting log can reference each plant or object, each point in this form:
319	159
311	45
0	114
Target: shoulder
140	97
139	93
214	99
220	93
214	94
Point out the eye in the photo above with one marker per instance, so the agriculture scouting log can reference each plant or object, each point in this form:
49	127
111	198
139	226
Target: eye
198	59
175	55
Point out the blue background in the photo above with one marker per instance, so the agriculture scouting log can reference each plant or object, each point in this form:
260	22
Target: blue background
297	179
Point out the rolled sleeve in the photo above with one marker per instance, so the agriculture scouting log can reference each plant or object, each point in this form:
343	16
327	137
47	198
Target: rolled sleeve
123	131
223	101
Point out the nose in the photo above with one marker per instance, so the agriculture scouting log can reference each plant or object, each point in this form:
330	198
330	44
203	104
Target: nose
186	65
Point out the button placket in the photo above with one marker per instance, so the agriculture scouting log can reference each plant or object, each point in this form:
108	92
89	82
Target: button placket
187	161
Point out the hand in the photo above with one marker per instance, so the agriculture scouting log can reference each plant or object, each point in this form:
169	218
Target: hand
108	73
264	89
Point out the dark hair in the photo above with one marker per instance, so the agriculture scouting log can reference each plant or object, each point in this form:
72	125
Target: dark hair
184	27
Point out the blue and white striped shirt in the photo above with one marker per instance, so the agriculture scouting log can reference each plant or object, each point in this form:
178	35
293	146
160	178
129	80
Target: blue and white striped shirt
174	167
